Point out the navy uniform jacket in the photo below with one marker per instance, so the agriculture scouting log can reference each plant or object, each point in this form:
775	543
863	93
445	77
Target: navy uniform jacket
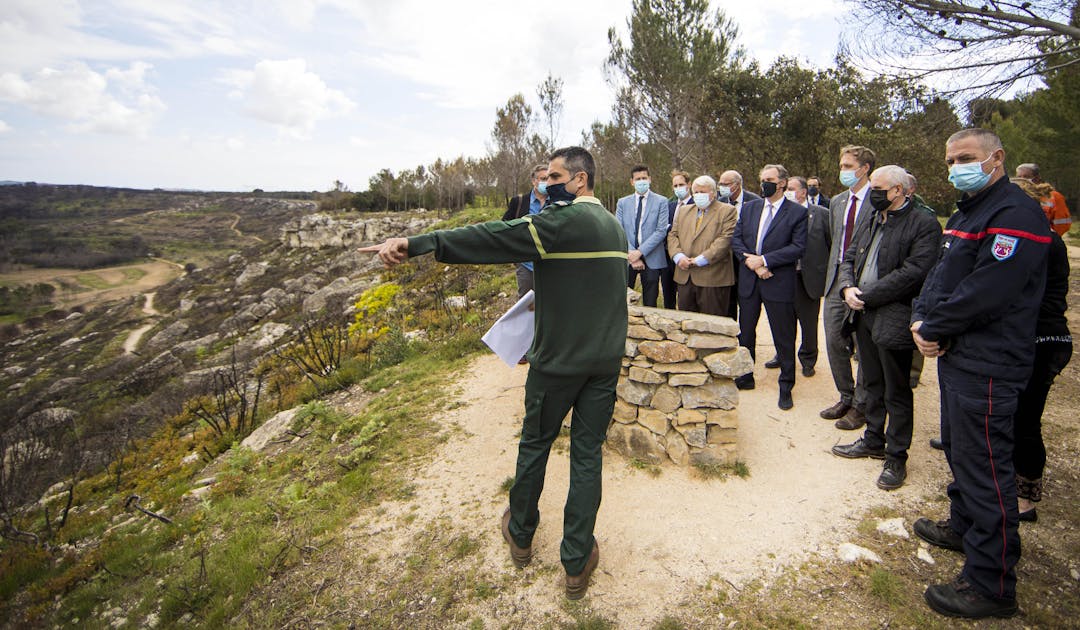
981	300
784	243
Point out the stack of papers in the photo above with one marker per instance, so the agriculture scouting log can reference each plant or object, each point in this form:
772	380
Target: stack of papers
511	336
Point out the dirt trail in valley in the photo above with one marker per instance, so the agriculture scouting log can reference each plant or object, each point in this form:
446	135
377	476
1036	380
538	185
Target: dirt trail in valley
134	336
662	537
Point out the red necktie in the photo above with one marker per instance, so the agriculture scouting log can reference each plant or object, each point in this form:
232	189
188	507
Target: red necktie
849	224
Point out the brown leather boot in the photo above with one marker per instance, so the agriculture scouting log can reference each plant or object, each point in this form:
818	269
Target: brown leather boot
853	419
576	585
521	556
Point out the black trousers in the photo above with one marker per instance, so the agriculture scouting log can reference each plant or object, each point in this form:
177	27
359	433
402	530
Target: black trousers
781	323
1030	455
887	382
650	284
733	303
667	286
806	311
977	432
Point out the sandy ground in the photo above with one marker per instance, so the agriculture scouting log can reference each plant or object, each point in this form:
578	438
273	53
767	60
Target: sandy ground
156	273
663	536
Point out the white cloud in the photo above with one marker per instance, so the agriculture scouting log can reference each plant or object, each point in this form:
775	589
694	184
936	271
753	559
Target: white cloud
118	101
4	127
285	94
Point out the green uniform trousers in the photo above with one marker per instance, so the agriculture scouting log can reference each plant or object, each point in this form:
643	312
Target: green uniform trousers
547	399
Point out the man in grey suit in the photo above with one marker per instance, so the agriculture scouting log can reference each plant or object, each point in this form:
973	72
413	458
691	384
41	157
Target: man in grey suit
643	215
850	212
810	274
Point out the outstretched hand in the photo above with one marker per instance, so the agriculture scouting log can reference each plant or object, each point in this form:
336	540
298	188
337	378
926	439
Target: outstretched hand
392	251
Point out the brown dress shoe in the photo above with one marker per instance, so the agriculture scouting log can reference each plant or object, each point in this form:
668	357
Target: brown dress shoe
853	419
521	556
836	411
576	585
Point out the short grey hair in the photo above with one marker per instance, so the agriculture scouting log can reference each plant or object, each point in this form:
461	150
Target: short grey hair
911	184
894	175
706	181
734	175
800	179
781	172
988	140
1030	167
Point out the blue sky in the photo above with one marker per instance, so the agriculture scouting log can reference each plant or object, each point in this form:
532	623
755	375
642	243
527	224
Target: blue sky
294	94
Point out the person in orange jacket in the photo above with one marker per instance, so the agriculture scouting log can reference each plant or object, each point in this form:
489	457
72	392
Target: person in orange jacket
1054	207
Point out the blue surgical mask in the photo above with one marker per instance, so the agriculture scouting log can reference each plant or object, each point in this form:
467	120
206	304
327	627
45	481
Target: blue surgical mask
702	200
641	186
541	188
681	192
969	177
848	178
724	191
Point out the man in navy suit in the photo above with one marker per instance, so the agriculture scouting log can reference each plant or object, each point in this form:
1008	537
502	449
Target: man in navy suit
813	192
730	190
769	238
644	217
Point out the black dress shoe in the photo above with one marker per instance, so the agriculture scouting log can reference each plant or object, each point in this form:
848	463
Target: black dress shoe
936	443
836	411
939	534
785	401
1030	516
853	419
808	371
773	363
857	450
960	599
745	381
893	475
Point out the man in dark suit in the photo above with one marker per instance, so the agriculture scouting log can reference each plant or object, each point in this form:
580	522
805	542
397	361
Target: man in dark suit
769	238
810	272
680	186
643	215
850	213
730	190
813	192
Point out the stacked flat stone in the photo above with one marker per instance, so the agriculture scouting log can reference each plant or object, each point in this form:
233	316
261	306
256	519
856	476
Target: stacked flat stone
676	394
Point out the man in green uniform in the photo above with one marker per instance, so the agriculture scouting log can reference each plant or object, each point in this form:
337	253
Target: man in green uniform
578	251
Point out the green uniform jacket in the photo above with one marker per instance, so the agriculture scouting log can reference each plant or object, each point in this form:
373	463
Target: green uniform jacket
580	274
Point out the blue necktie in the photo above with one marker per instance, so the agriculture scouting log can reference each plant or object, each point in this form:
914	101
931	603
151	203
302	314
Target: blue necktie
637	221
765	226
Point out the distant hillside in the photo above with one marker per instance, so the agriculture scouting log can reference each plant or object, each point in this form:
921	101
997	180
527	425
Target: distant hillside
86	226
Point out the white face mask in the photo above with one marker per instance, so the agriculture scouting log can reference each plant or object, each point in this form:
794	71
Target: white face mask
790	196
702	200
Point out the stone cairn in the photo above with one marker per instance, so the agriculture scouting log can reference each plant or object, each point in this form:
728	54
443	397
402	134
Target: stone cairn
676	393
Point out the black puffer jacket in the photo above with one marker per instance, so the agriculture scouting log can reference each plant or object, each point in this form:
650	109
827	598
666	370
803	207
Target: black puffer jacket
909	246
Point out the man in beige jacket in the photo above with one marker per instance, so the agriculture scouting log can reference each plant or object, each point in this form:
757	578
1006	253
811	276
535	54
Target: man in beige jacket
700	245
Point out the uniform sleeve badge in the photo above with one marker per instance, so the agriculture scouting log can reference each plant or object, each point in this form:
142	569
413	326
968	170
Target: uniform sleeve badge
1003	246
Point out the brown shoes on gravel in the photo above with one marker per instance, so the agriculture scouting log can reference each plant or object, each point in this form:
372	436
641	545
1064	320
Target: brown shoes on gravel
521	556
576	585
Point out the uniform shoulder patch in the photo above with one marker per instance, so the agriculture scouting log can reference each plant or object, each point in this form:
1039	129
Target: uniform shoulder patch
1003	246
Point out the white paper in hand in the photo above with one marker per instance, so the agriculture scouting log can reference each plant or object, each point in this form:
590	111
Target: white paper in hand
511	336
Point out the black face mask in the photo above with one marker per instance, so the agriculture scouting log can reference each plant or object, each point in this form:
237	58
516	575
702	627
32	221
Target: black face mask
558	192
768	189
812	190
879	199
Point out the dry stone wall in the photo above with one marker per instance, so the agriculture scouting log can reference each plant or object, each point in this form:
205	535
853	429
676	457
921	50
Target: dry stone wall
676	397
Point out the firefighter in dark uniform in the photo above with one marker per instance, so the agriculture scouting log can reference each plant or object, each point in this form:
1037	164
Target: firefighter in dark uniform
977	314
